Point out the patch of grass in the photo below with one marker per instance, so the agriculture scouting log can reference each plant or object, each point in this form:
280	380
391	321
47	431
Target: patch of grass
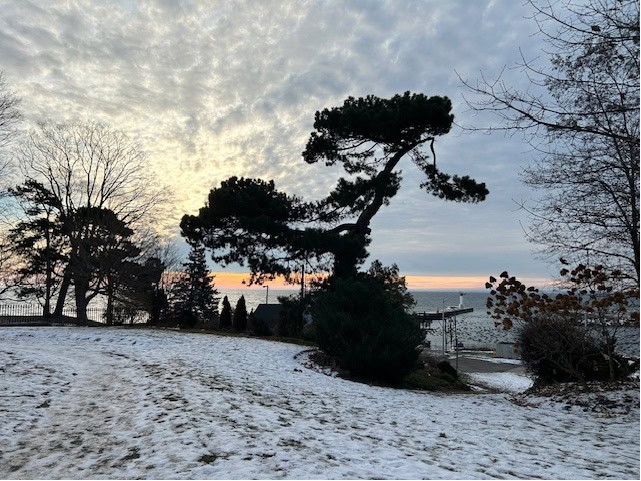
134	453
427	379
294	443
212	457
208	458
289	340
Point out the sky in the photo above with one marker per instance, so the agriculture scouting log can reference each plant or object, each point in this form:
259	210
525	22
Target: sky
214	89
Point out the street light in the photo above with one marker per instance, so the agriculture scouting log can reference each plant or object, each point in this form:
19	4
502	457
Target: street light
267	294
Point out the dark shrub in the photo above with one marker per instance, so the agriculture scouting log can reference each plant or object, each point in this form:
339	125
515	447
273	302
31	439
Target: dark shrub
240	315
290	319
561	350
187	319
225	315
256	326
362	322
555	343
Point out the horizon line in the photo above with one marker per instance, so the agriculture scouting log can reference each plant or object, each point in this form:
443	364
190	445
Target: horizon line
237	280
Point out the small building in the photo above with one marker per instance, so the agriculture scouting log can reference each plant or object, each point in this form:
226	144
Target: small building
268	315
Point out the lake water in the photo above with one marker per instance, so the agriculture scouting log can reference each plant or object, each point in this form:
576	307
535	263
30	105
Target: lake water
425	300
475	330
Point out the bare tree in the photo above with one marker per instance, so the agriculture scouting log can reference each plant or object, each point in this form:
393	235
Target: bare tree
159	246
9	265
88	168
581	114
141	282
10	117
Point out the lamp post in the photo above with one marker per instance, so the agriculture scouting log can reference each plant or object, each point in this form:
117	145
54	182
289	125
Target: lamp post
267	294
444	328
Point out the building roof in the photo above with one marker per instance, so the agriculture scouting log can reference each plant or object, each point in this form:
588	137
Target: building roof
268	314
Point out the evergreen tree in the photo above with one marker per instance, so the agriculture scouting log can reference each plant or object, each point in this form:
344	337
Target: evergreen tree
194	296
364	322
251	222
38	242
139	288
240	315
82	181
225	315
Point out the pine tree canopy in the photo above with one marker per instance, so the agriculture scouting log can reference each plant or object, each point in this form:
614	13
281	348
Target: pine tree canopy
248	221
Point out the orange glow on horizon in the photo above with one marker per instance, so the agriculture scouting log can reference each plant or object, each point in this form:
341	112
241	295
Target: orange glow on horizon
453	283
234	280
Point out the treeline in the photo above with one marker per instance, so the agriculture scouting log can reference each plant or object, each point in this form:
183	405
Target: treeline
80	218
192	300
80	211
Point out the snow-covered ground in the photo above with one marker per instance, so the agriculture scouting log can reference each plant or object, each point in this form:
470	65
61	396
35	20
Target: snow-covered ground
503	381
115	403
493	360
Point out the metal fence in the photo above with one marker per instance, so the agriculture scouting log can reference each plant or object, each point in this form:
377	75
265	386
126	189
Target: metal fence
32	314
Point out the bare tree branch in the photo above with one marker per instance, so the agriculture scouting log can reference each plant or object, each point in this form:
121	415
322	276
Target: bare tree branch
582	117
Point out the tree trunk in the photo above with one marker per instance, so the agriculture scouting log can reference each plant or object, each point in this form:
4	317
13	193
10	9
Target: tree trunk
81	288
352	248
109	313
46	310
81	285
351	252
62	294
610	351
634	214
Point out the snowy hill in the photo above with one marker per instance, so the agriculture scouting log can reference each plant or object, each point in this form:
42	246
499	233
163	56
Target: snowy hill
99	403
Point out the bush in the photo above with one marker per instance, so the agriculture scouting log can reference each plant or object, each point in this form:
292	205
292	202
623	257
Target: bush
290	319
225	315
555	344
240	315
187	319
363	323
557	349
257	327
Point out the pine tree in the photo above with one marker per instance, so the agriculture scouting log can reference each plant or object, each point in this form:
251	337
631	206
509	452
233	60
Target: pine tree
249	220
194	297
240	315
225	315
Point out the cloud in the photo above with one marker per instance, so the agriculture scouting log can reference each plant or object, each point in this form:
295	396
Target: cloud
215	89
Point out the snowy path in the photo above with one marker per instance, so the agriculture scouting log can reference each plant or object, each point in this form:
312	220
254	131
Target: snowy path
97	403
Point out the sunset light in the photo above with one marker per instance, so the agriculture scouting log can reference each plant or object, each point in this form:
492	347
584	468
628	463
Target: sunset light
450	188
239	280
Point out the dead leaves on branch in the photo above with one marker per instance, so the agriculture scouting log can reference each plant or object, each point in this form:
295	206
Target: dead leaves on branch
592	292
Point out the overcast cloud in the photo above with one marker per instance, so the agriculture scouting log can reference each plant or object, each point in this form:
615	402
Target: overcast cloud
215	89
